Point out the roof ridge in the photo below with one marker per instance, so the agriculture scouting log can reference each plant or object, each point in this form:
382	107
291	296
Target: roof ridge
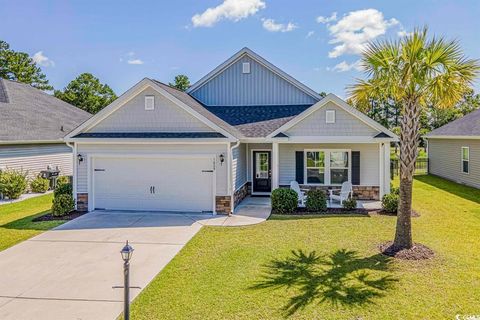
163	83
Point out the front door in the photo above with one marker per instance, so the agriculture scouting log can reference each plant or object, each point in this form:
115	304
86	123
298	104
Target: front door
262	174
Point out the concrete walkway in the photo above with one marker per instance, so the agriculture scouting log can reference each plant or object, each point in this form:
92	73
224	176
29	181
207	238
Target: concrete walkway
69	272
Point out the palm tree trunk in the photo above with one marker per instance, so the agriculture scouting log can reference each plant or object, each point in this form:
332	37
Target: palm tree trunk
409	140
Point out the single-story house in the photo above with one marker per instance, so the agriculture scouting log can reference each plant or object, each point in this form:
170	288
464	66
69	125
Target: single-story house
246	127
32	127
454	150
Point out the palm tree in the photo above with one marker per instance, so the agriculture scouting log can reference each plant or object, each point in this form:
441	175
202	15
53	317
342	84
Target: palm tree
415	72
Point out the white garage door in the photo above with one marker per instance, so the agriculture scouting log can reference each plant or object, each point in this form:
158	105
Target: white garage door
153	184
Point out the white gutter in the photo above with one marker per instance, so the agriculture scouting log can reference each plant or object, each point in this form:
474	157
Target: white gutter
230	174
31	141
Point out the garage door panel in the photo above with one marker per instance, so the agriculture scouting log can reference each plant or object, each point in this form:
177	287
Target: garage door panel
181	184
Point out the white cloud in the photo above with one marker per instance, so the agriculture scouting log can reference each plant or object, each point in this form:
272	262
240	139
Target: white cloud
322	19
234	10
403	33
272	26
345	66
42	60
309	34
356	29
135	61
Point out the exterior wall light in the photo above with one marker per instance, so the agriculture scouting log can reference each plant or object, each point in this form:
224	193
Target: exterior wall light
222	159
80	158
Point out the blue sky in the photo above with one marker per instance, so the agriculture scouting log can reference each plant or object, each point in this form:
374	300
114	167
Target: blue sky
160	39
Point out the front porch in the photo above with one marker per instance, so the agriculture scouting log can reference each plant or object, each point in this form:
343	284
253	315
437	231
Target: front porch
316	166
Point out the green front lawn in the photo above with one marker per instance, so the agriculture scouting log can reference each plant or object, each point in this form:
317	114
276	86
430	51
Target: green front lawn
16	222
327	267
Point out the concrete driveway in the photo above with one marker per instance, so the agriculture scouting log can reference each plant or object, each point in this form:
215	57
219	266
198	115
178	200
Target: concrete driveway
69	272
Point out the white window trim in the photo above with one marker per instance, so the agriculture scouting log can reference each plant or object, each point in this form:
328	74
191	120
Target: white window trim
246	67
326	116
327	166
152	98
467	160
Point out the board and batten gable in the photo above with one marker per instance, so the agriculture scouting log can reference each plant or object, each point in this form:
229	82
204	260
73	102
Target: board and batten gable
445	160
261	86
345	124
165	117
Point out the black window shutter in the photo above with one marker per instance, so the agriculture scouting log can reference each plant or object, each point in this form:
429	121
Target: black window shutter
299	166
356	168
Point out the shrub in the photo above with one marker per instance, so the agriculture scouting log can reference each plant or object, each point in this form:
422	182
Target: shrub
63	180
390	202
62	204
13	183
395	190
316	201
350	204
39	185
284	201
63	189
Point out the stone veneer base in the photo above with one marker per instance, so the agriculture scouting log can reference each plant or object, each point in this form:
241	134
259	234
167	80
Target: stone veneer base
82	202
359	192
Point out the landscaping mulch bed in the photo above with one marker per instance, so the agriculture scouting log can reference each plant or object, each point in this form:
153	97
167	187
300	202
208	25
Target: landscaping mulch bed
415	214
417	252
304	211
49	217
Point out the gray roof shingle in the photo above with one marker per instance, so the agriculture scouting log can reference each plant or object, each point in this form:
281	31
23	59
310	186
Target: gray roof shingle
468	125
241	121
29	114
198	107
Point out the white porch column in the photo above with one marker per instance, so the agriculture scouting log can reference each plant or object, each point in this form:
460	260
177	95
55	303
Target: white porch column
275	166
381	168
386	176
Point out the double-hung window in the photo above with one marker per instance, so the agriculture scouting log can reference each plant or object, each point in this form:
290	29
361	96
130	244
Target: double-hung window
338	167
315	167
327	167
465	159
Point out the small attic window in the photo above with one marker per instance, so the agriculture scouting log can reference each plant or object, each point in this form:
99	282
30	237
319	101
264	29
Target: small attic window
246	67
149	102
330	116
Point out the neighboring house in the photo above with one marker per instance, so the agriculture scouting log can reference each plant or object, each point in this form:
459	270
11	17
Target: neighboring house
247	127
32	127
454	150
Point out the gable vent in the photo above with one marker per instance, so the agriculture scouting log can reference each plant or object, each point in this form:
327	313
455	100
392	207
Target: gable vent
330	116
246	67
149	102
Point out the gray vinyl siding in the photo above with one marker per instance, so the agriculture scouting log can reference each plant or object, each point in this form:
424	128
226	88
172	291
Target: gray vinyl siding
345	124
259	87
153	149
445	160
369	160
34	158
166	117
239	166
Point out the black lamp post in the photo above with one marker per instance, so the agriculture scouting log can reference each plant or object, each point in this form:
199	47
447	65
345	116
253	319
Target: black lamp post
126	252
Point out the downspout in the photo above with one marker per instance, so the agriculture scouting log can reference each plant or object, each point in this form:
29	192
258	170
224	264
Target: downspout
74	181
230	170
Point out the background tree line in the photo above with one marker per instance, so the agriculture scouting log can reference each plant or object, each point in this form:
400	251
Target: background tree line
85	91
